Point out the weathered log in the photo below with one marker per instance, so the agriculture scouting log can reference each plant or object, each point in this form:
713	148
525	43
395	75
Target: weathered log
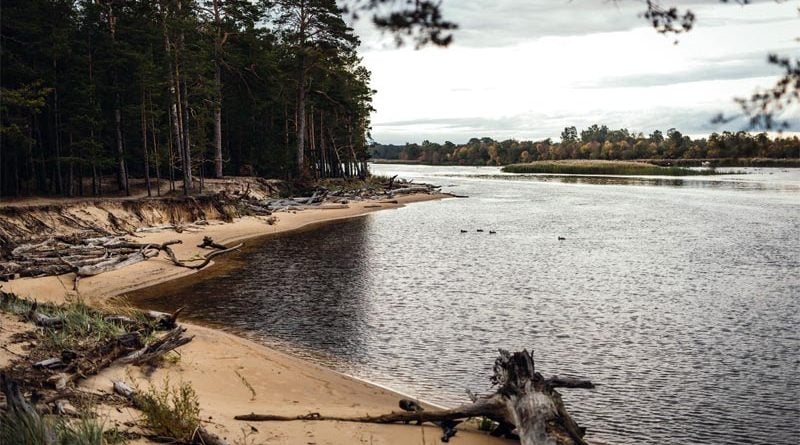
172	340
164	321
206	260
408	190
126	391
115	263
209	242
525	401
100	357
119	319
50	363
390	184
568	382
47	321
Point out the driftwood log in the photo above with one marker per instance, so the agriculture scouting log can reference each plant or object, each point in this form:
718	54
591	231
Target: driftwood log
206	259
209	242
86	257
164	321
525	402
172	340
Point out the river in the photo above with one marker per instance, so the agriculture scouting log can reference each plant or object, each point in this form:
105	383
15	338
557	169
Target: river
680	297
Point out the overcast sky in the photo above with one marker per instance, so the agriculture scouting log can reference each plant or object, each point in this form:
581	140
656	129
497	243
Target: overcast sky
525	69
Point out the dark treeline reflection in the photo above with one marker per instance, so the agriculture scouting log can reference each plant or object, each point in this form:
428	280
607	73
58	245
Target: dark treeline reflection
308	289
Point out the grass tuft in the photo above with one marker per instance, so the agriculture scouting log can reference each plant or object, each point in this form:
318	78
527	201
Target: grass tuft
31	428
23	427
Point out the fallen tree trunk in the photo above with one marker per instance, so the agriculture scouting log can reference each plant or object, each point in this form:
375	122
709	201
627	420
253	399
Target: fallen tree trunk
412	189
207	259
172	340
524	401
115	263
164	321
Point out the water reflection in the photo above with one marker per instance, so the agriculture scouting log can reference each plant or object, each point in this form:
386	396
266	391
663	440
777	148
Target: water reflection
307	288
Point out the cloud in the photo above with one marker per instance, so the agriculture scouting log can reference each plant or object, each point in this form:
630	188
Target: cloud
498	23
747	66
523	69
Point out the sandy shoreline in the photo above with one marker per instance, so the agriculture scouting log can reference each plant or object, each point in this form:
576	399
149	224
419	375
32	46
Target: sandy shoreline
218	363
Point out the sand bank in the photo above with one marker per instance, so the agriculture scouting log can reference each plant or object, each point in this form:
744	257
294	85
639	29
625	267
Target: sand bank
235	376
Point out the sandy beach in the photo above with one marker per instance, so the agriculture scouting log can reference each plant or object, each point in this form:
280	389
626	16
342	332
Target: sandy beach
234	376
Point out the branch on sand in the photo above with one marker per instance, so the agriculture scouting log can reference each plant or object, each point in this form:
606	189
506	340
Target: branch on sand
525	402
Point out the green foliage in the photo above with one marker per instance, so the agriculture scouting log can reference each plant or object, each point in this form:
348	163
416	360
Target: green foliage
81	325
486	424
70	66
597	142
172	411
602	168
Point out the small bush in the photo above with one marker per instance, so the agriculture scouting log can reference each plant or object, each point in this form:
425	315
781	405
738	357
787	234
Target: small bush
172	411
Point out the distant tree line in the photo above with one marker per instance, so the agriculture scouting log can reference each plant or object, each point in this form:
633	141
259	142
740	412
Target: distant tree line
177	90
595	142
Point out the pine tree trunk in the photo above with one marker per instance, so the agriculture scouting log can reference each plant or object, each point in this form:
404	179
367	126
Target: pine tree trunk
57	139
31	161
122	174
144	147
323	148
177	139
301	125
218	93
155	147
95	185
71	174
171	158
187	158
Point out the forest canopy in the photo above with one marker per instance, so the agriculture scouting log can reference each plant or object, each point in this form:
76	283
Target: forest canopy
178	90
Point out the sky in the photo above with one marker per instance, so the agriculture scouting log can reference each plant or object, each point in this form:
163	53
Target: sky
526	69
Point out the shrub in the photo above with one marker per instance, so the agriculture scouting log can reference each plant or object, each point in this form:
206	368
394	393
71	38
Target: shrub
172	411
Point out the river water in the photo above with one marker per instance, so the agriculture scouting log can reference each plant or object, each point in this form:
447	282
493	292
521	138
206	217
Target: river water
680	298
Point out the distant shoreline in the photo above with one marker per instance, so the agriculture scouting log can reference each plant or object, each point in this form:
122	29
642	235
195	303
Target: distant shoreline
716	162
